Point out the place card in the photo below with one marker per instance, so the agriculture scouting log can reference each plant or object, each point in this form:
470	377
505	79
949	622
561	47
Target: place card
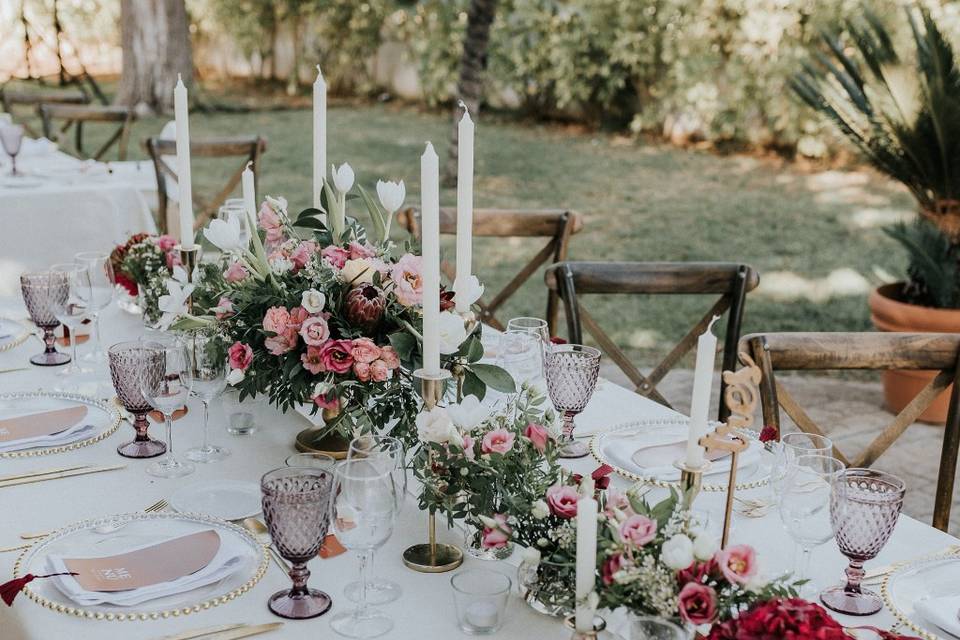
331	547
44	423
665	454
151	565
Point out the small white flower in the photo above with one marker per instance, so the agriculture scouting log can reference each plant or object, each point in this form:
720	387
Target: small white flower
467	290
224	234
452	332
235	377
391	194
469	413
278	204
542	542
677	552
540	510
342	177
530	555
489	522
435	426
704	547
280	265
313	301
321	389
464	471
357	271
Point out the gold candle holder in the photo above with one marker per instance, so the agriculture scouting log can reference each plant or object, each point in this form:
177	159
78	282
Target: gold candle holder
691	480
189	259
432	557
599	624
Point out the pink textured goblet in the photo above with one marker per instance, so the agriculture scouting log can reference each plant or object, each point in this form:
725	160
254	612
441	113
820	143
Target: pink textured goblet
130	364
42	292
571	371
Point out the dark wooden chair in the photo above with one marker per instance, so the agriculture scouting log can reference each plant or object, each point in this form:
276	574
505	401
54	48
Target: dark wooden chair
730	280
873	352
557	225
248	148
21	105
79	114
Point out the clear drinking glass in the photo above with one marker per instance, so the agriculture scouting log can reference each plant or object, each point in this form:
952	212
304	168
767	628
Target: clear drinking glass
653	628
521	355
235	208
208	376
480	597
40	291
388	453
311	460
296	507
536	326
805	505
72	310
791	446
168	394
865	509
11	137
571	371
130	362
102	288
364	513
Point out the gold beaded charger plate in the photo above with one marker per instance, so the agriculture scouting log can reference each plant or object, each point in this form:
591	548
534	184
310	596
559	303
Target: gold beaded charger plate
103	418
13	333
930	577
116	534
616	446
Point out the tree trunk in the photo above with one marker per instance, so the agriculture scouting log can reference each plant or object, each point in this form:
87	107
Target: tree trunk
156	47
472	65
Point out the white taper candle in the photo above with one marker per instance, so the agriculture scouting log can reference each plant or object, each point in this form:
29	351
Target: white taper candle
464	203
586	560
185	198
319	135
700	402
430	241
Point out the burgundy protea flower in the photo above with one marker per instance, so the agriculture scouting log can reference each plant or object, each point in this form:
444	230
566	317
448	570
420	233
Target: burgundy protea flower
365	306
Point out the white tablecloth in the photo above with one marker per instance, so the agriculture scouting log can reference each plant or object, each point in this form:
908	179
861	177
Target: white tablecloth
424	612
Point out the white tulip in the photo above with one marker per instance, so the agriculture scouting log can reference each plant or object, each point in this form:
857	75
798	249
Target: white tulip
435	426
313	301
705	547
540	510
677	552
469	413
235	377
467	290
174	303
224	234
391	194
342	177
357	271
452	332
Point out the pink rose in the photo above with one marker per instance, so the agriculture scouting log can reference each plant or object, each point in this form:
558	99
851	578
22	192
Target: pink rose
697	603
358	250
326	401
365	350
283	342
610	566
315	331
312	361
497	441
298	315
496	537
389	357
379	371
166	242
270	222
224	308
617	500
538	436
468	451
638	530
336	355
235	272
302	254
562	501
737	563
337	256
241	355
276	319
408	280
362	371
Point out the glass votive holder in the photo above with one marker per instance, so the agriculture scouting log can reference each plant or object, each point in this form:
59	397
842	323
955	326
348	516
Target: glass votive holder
311	460
480	597
241	423
653	628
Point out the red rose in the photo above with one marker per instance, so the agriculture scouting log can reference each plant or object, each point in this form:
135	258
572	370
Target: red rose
787	618
697	603
768	433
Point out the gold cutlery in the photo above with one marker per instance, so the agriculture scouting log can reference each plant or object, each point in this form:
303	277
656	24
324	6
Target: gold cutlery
246	631
45	472
17	548
875	575
14	369
57	476
198	633
157	506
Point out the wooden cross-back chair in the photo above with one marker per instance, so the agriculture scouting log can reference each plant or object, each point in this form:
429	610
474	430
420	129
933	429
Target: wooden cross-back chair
557	225
13	99
731	281
248	148
866	351
79	114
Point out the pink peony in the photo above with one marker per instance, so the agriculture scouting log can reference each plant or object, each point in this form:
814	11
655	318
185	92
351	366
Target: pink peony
166	242
315	331
276	319
638	530
270	222
468	451
337	256
235	272
362	371
697	603
312	361
336	355
358	250
497	441
241	355
538	436
379	371
298	315
281	343
389	357
302	254
408	280
737	563
365	350
496	537
562	501
224	308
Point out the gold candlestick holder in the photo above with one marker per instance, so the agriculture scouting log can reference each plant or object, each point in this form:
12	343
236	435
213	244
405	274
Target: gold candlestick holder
691	481
189	259
432	557
599	624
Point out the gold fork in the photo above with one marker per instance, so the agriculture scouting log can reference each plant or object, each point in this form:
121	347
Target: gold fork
157	506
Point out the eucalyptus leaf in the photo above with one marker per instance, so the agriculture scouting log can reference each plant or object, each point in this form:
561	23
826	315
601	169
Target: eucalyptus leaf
473	386
494	377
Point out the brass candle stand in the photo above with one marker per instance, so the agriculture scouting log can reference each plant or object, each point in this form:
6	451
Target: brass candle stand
432	557
189	259
691	481
599	624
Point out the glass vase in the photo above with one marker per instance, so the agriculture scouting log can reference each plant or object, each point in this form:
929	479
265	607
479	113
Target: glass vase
473	543
546	586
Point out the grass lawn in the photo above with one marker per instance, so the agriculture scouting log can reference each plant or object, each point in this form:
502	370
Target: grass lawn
640	202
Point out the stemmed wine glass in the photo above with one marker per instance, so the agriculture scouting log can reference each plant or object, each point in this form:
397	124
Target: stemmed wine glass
130	362
167	394
805	505
388	453
207	372
788	449
571	371
102	286
530	335
11	137
40	290
364	513
72	310
296	506
864	509
235	208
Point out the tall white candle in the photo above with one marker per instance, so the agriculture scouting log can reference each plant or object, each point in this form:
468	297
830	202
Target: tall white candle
183	164
319	135
700	402
586	560
249	192
430	240
464	203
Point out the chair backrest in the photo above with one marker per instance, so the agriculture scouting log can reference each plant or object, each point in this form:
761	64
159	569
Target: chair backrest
865	351
78	114
161	150
13	99
731	281
556	225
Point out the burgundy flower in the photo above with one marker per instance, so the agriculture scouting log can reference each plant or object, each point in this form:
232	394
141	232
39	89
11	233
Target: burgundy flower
768	433
446	300
365	307
697	603
601	476
787	618
610	566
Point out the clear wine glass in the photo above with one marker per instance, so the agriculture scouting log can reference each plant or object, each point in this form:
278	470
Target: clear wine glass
167	394
40	290
296	507
571	371
388	453
789	448
865	508
364	513
805	505
73	310
311	460
11	137
102	286
235	208
208	375
535	326
129	363
521	355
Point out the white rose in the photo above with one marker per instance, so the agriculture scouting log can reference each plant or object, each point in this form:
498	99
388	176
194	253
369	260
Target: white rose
530	555
677	552
280	266
704	547
756	583
235	377
313	301
224	234
357	272
391	194
435	426
452	332
467	290
342	177
540	510
469	413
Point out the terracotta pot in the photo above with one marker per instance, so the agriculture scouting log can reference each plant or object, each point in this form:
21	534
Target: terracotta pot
889	312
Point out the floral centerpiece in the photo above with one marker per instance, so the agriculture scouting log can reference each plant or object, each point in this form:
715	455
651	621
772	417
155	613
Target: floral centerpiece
142	266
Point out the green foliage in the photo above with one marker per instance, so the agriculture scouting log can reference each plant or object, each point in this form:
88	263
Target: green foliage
934	271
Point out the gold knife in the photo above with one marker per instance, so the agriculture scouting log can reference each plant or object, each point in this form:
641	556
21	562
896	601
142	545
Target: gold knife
56	476
45	472
197	633
246	631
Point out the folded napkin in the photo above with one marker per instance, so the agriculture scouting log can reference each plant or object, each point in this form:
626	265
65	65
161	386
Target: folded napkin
231	556
620	451
78	430
37	147
942	612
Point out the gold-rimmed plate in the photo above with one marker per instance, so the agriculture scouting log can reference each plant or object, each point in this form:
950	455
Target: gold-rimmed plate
13	333
103	418
934	576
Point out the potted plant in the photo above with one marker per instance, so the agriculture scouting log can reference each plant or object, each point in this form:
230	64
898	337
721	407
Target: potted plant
901	109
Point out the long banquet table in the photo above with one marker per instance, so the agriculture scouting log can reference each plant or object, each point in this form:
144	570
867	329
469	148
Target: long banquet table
424	611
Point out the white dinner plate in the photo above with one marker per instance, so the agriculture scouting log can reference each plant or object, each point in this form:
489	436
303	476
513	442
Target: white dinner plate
915	581
224	499
12	333
102	416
